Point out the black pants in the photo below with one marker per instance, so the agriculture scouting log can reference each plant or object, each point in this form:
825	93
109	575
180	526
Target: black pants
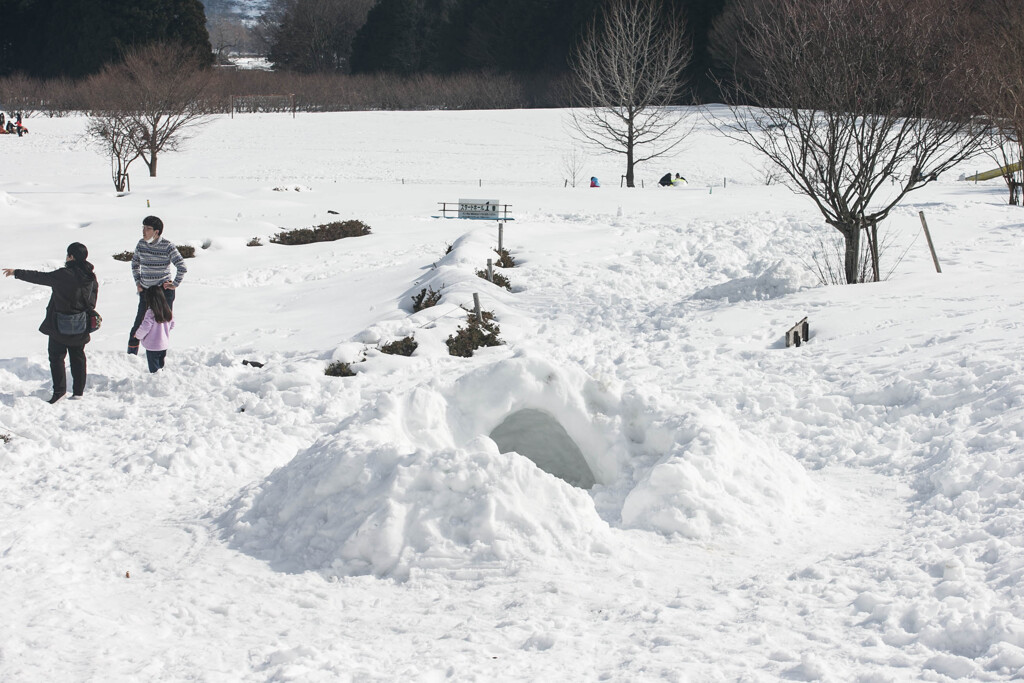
133	343
57	352
155	359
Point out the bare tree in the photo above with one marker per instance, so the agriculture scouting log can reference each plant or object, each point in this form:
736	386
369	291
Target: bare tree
572	164
999	36
111	130
156	96
116	137
861	102
628	72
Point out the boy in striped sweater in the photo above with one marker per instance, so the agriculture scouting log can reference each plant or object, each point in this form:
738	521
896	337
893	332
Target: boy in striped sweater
151	267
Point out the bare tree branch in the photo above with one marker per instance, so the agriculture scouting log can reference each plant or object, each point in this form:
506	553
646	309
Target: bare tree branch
1000	40
157	96
628	72
862	102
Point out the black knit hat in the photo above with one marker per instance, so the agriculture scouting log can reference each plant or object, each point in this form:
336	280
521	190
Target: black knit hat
78	252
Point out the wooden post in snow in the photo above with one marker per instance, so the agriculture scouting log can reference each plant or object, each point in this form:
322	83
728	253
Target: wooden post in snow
928	236
476	308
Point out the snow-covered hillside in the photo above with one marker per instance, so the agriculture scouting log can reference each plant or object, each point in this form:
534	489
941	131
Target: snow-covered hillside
849	510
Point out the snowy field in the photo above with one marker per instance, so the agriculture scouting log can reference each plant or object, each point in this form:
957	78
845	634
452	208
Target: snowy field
849	510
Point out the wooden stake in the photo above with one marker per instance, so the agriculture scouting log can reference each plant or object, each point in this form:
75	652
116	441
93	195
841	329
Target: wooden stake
490	270
476	307
928	236
501	237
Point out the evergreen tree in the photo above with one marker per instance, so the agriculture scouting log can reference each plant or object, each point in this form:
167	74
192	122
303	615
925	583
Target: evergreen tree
529	35
313	35
75	38
406	36
402	36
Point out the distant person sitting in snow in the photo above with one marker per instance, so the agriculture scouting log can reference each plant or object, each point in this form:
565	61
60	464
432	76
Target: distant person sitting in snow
666	180
594	183
678	180
155	330
10	128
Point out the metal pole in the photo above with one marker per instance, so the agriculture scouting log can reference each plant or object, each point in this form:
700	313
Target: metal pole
501	237
928	236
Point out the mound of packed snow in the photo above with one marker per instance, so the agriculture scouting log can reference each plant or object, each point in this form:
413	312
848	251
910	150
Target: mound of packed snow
414	481
718	478
345	507
779	279
492	466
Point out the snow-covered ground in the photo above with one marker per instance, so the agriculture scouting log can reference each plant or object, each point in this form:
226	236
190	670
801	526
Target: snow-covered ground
849	510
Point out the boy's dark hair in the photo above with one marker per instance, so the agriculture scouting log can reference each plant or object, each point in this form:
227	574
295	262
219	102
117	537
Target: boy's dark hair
155	223
157	302
78	252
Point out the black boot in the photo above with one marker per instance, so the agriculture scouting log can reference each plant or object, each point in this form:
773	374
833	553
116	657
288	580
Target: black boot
56	397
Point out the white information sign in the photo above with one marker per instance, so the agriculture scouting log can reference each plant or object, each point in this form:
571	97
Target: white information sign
478	208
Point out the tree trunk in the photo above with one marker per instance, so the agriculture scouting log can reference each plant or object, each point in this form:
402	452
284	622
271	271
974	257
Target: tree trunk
851	235
152	164
630	137
873	243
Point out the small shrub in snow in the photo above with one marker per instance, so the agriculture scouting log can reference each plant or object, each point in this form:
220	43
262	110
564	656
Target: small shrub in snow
339	369
402	347
505	259
496	278
186	251
6	438
123	256
427	298
327	232
448	248
474	335
254	242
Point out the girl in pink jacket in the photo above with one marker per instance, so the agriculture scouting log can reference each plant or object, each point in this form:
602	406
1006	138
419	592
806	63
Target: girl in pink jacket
155	331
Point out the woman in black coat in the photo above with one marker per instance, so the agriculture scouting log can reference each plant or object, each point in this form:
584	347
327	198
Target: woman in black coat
66	323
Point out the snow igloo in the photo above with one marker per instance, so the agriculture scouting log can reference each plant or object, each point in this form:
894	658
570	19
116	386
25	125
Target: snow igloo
529	407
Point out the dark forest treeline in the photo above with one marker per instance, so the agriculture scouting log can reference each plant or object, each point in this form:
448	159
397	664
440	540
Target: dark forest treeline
451	36
361	54
75	38
528	41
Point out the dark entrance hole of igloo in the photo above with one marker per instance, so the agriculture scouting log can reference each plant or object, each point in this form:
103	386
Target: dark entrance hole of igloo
541	438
